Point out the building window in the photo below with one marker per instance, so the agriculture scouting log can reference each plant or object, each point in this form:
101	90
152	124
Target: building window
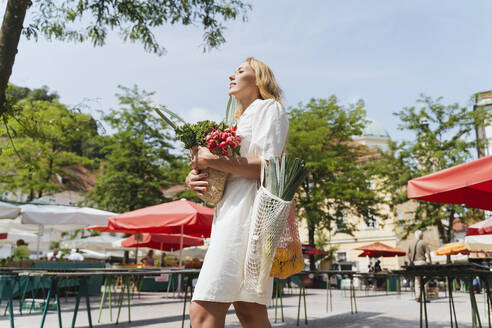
370	224
341	256
410	217
340	221
401	221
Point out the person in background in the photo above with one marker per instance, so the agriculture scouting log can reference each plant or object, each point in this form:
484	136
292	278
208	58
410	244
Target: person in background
21	253
163	259
76	256
149	259
417	251
378	269
53	256
476	285
377	266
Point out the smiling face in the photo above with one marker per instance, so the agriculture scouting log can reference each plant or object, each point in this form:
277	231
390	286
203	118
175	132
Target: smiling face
243	82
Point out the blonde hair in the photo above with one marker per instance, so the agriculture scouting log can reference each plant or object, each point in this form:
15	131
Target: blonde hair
266	82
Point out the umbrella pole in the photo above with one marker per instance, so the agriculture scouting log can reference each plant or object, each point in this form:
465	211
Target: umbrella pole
38	241
180	256
160	257
181	246
136	254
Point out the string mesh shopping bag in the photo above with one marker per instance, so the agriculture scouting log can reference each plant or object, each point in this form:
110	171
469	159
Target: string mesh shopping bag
268	220
288	259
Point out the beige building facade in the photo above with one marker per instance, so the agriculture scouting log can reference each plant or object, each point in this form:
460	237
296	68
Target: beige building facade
389	231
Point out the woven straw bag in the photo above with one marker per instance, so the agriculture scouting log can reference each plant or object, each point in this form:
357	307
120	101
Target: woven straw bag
216	182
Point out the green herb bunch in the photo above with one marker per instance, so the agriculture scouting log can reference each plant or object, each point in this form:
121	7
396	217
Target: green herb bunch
190	134
194	134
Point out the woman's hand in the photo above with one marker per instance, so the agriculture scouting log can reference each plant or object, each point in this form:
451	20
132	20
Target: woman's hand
194	182
201	158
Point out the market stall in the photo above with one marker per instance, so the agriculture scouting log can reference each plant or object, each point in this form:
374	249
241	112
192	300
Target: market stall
61	218
469	184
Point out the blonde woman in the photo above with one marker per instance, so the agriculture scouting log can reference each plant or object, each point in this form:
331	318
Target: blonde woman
262	123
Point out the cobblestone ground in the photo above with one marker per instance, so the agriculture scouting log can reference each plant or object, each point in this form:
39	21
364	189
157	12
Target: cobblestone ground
375	309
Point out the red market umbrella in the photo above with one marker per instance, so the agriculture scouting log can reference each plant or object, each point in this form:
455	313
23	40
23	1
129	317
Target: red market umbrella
306	249
163	242
378	254
181	216
480	228
380	250
469	184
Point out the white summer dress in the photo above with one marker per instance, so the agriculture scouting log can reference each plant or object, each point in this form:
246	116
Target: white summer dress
263	127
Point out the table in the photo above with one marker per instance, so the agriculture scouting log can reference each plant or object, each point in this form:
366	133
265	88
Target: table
386	275
465	271
84	275
7	280
302	292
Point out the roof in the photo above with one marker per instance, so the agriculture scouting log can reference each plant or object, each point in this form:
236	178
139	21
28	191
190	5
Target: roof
374	129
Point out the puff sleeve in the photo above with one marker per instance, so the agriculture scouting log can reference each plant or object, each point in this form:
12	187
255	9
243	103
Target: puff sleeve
269	130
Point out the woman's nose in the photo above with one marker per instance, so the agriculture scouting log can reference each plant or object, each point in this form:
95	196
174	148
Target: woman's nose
231	77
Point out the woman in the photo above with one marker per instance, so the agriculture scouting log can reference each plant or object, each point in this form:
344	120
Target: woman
149	259
262	123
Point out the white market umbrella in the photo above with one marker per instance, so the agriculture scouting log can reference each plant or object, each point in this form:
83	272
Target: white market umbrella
91	254
103	242
479	243
13	235
192	252
9	225
8	211
65	218
29	233
63	215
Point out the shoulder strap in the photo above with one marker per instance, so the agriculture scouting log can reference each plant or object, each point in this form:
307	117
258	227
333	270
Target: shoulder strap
415	250
262	173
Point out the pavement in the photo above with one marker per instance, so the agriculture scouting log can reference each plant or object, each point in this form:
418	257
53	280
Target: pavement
374	309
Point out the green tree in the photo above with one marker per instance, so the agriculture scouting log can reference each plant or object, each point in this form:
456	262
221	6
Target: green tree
40	142
91	20
444	137
339	185
138	161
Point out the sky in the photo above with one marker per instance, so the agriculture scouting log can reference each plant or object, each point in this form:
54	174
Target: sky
384	52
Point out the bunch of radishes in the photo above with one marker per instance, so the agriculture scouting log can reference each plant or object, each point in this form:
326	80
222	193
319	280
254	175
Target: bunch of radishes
223	142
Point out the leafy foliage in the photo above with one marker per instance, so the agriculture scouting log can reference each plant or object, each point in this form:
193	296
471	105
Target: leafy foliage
138	163
135	20
194	134
444	137
41	141
191	135
339	185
